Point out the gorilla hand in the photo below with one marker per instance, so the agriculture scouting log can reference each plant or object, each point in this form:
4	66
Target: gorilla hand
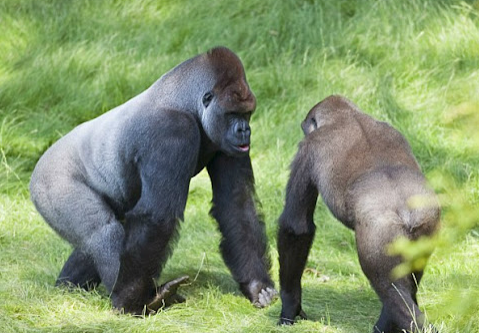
265	297
261	295
286	320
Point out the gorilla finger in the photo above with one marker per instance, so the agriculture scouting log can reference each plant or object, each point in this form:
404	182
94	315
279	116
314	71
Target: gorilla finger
267	296
273	294
262	301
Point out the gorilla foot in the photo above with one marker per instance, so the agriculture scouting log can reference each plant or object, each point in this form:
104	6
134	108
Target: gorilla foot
166	294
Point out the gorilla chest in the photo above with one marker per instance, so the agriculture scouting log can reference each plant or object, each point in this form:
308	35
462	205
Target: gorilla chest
203	160
207	152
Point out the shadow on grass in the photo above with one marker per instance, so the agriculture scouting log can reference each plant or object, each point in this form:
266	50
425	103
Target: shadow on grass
345	309
216	279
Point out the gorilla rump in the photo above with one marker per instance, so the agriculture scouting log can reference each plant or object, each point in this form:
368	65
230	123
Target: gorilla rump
368	177
116	186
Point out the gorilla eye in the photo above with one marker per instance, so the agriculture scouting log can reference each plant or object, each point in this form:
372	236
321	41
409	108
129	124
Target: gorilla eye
313	122
207	98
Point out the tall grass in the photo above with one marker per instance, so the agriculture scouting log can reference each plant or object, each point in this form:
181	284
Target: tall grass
412	63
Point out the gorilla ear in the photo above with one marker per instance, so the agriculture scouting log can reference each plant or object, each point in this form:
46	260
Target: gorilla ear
309	125
207	98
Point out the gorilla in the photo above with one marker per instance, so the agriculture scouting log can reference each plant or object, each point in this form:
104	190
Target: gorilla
368	177
115	187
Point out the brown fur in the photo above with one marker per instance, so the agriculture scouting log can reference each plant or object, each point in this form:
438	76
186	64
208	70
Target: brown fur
233	84
367	175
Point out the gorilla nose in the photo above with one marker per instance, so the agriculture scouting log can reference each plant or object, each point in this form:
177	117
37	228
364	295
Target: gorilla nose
242	129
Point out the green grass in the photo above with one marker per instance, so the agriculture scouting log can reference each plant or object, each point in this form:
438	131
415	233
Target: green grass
412	63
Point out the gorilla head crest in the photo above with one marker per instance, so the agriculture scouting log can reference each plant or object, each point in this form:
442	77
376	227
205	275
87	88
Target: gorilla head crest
228	106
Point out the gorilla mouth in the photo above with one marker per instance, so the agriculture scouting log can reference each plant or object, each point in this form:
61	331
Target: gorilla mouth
243	148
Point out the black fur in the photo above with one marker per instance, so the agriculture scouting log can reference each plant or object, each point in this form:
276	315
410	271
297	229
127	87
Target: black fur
116	187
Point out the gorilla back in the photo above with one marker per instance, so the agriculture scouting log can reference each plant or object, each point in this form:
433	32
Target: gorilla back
116	186
368	177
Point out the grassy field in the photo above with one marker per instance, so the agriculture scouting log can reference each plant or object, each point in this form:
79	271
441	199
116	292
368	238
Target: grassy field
412	63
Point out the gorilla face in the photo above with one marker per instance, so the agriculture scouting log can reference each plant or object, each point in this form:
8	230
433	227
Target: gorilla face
226	117
238	133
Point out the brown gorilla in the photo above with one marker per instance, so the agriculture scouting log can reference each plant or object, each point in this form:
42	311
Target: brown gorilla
368	177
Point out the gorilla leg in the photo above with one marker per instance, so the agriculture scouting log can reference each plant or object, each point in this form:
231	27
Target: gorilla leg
126	259
400	310
79	270
80	215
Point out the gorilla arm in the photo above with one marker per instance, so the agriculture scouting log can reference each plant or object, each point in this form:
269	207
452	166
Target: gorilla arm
296	234
166	162
243	245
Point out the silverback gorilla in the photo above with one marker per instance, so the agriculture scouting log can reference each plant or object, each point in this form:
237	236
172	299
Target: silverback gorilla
115	187
368	177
